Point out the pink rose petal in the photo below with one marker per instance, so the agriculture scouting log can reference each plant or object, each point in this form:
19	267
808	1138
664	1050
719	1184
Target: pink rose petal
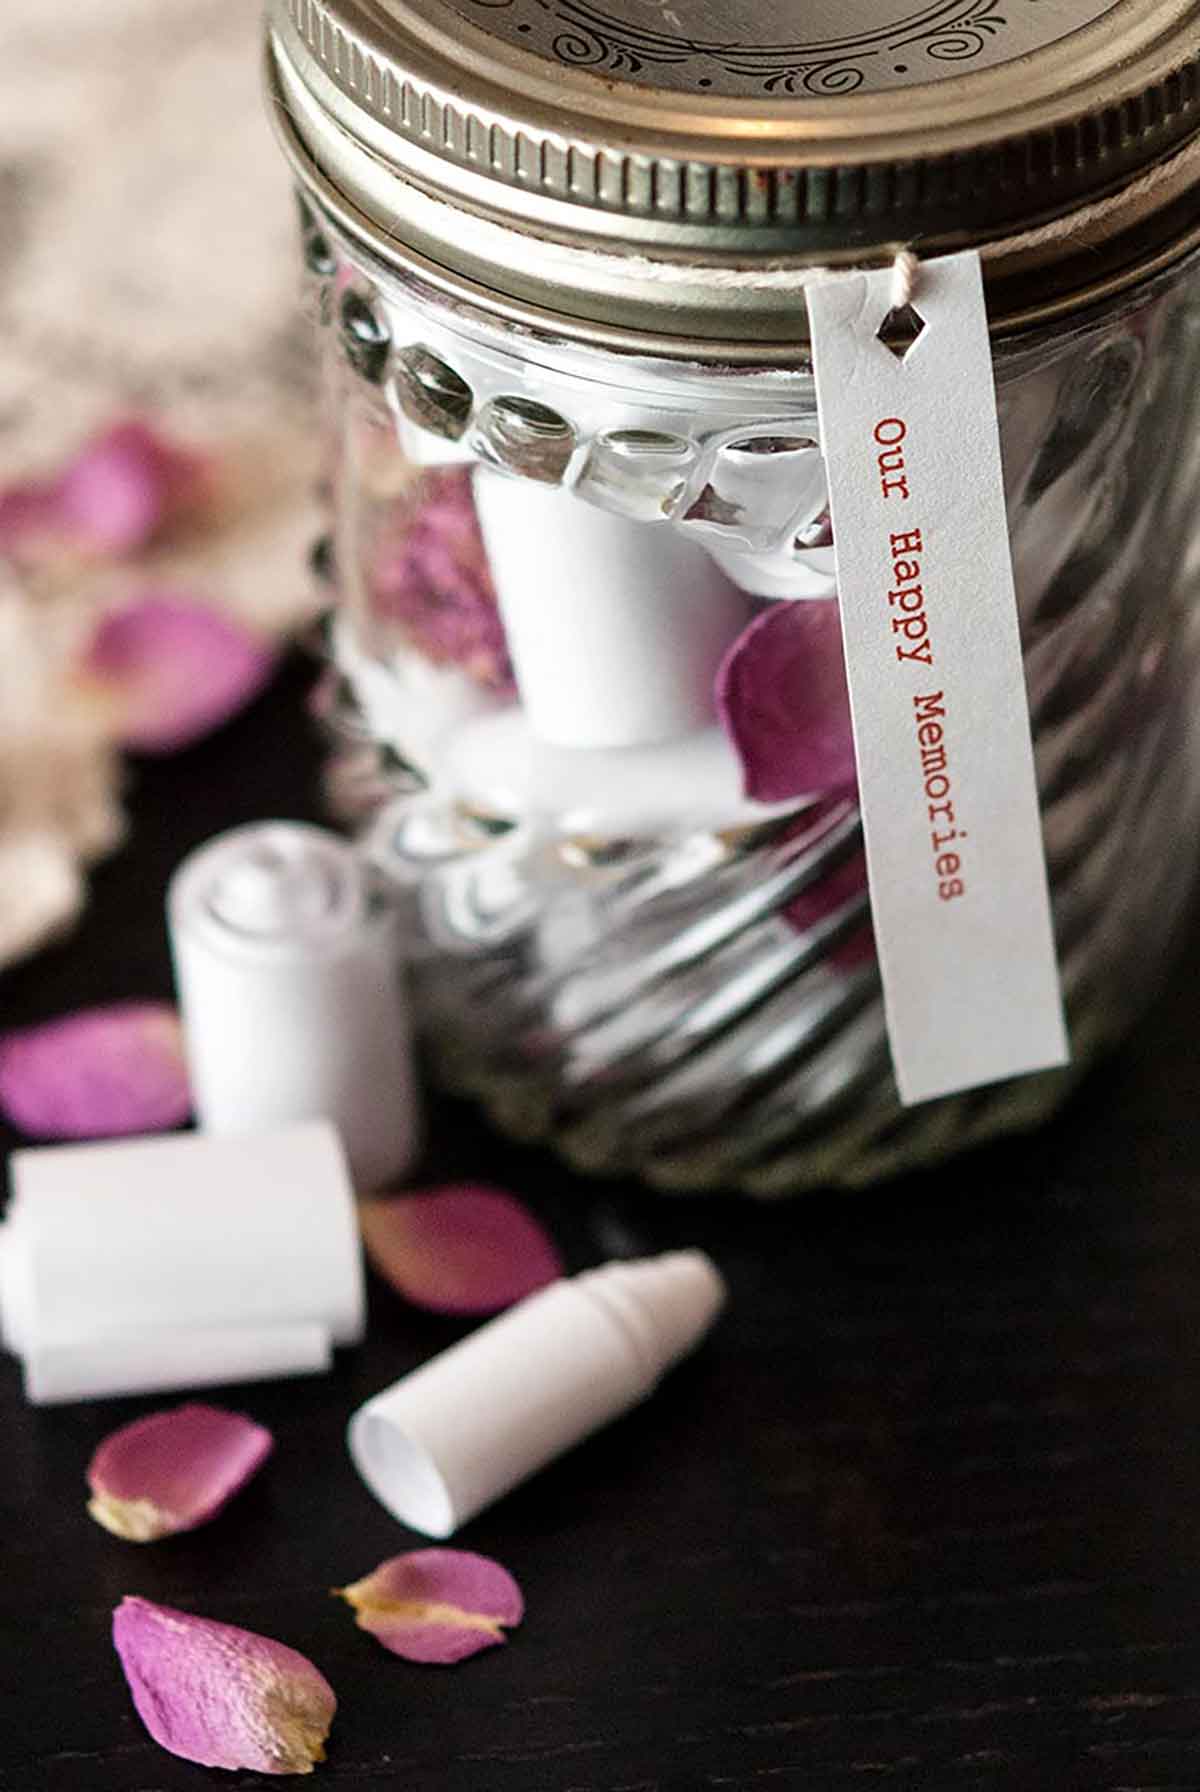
173	1471
464	1249
122	490
221	1696
781	695
29	513
432	577
174	669
437	1605
100	1073
126	486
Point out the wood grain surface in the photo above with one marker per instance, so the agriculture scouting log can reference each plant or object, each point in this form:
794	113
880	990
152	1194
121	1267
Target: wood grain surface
925	1512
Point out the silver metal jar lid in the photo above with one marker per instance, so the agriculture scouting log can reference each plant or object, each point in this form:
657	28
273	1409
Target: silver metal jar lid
647	169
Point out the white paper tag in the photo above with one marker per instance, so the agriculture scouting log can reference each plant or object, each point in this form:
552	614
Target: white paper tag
937	688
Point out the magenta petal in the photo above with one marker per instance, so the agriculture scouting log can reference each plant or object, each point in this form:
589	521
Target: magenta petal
782	697
124	486
100	1073
221	1696
173	1471
437	1605
28	513
175	670
431	576
824	898
464	1249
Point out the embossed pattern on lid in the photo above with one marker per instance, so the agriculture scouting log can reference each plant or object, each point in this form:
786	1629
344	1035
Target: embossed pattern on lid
775	48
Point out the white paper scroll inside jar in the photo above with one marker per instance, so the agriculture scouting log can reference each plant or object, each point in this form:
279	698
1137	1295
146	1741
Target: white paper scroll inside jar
616	628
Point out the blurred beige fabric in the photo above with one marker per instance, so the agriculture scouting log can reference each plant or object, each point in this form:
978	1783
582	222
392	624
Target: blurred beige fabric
149	266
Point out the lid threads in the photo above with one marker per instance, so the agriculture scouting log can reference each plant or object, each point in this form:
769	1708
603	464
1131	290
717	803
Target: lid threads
436	129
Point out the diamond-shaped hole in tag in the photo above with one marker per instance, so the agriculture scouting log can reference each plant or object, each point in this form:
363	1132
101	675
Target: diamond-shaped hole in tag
900	329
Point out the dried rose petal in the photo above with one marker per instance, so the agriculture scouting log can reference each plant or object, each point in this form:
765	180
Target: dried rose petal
174	670
221	1696
781	695
464	1249
121	491
126	486
822	899
173	1471
29	513
433	579
100	1073
437	1605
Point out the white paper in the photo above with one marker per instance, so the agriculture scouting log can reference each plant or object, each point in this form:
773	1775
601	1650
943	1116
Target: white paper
444	1442
181	1233
616	628
299	1011
941	723
161	1361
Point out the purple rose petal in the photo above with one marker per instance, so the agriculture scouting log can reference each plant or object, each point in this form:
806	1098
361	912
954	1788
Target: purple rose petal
173	1470
29	513
122	491
433	579
174	670
823	898
466	1249
782	698
437	1605
126	487
99	1073
221	1696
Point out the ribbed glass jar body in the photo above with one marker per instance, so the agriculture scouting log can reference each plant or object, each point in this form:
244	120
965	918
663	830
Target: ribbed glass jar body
544	558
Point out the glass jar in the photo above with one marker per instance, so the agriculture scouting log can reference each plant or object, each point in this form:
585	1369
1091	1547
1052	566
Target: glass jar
582	556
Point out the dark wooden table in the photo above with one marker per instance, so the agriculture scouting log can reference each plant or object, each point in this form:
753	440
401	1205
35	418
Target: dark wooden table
925	1512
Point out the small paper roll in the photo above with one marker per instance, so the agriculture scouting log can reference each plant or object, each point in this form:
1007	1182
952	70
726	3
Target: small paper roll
446	1441
290	987
615	628
160	1361
498	763
236	1257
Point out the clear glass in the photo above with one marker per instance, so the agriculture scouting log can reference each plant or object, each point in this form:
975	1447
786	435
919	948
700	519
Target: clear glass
542	556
